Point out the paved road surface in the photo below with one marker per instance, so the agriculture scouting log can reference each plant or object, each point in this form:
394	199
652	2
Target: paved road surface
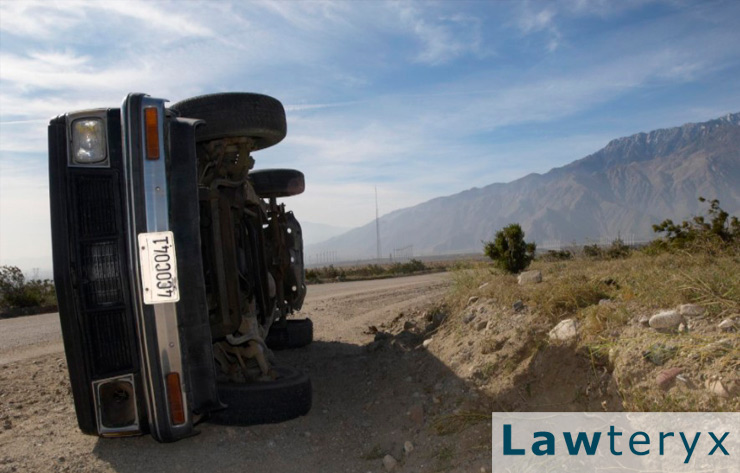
35	335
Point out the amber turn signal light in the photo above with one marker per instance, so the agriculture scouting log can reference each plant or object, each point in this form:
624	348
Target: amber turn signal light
151	131
174	396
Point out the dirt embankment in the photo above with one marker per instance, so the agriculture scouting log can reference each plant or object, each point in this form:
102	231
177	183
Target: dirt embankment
371	399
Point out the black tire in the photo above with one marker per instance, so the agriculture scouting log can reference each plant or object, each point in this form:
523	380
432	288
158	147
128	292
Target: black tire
270	183
266	402
295	334
236	114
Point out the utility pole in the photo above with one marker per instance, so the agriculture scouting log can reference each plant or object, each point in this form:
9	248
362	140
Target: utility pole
377	222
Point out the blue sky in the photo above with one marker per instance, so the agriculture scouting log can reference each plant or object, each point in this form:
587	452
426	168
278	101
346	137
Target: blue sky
421	99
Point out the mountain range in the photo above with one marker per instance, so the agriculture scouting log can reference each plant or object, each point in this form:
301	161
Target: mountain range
620	190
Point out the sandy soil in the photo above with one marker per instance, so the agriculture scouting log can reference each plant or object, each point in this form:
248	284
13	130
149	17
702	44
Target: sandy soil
370	398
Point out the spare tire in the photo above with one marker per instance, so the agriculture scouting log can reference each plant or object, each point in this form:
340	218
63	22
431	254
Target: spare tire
236	114
270	183
265	402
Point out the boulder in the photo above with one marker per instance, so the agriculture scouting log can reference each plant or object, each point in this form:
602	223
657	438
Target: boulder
666	320
530	277
565	331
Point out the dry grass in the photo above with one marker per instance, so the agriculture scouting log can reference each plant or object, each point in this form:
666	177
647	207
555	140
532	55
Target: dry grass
640	284
648	282
454	423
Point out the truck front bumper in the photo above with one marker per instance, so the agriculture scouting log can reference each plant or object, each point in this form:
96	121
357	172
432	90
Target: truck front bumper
136	365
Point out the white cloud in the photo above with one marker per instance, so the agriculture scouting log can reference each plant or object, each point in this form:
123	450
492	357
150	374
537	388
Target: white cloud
153	16
443	38
45	19
536	21
539	21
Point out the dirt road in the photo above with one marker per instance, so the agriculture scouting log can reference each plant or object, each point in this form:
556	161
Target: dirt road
369	400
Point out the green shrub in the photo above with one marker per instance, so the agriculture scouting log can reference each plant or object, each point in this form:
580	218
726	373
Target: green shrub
557	255
617	250
592	251
412	266
16	292
717	230
509	250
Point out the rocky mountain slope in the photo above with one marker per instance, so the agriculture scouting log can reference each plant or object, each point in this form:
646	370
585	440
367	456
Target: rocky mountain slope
621	189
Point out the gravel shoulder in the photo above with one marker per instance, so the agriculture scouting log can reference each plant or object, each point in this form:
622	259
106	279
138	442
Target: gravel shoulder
369	400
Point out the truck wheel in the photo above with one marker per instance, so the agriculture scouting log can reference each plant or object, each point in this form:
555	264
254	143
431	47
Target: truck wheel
270	183
236	114
295	334
265	402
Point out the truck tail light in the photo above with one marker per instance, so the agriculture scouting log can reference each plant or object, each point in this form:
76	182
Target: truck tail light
174	396
151	132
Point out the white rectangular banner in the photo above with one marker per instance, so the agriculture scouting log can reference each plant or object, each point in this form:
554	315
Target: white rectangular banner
613	442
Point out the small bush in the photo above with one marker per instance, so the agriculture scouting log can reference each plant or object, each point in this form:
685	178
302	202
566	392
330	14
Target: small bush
509	250
715	232
592	251
368	271
557	255
617	250
17	293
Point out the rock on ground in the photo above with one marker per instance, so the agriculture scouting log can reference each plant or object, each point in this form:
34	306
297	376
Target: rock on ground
565	331
666	377
389	463
408	447
530	277
717	387
690	310
667	319
727	325
416	414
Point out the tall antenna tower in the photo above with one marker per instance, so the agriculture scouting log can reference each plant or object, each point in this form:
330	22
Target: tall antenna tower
377	222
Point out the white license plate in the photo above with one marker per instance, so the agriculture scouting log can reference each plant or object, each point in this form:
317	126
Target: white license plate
158	267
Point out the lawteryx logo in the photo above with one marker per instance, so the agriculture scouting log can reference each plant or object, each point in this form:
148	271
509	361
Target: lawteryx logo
592	442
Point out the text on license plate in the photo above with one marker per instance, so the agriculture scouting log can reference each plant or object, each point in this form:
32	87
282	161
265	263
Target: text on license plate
158	267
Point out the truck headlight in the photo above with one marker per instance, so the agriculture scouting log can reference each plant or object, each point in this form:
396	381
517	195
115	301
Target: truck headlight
88	141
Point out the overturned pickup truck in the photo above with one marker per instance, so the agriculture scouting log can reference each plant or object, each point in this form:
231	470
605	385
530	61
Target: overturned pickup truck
175	266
